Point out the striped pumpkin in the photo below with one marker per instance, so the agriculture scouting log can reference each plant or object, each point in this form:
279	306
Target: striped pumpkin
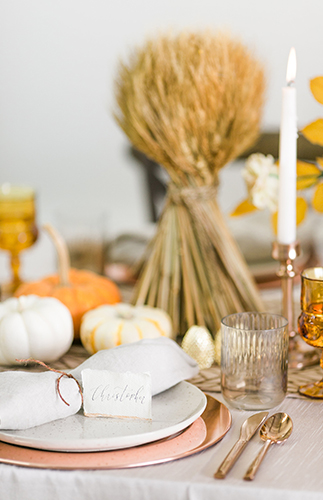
112	325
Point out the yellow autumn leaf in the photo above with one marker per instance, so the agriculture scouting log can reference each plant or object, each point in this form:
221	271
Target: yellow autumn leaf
307	174
274	222
244	207
314	132
316	86
301	209
317	201
320	162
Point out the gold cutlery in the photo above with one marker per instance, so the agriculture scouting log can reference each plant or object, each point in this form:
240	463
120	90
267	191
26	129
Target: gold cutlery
276	429
248	429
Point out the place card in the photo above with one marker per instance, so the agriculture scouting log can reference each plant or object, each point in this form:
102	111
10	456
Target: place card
118	395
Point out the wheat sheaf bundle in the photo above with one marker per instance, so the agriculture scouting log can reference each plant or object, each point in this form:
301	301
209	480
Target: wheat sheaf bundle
192	102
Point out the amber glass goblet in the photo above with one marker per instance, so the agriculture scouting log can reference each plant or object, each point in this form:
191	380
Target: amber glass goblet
18	229
310	322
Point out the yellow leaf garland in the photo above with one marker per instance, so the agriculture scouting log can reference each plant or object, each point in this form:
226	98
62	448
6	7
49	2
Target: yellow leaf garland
316	86
320	162
317	201
307	174
301	209
243	208
274	222
314	132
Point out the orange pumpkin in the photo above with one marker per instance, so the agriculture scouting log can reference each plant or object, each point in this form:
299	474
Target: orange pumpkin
79	290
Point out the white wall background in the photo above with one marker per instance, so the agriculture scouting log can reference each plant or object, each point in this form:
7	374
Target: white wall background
58	59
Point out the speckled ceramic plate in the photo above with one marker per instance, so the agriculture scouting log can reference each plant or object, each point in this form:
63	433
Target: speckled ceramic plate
172	411
207	430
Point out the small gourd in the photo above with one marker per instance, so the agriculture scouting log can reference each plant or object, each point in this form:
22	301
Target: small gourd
34	327
112	325
79	290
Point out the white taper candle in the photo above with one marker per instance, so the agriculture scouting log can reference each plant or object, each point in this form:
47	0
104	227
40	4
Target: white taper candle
288	158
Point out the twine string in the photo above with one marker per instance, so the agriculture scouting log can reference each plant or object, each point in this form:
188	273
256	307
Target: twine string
187	195
63	374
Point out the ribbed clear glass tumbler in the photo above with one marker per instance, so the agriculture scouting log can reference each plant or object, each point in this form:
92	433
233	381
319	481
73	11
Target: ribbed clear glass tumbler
254	360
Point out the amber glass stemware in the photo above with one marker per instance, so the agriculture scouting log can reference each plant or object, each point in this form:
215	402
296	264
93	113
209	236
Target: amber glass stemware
18	229
310	322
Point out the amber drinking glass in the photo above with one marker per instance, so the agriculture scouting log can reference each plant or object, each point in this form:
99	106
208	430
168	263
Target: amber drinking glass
310	322
18	229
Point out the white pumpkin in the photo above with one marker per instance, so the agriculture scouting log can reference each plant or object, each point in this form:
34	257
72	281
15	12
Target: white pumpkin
112	325
34	327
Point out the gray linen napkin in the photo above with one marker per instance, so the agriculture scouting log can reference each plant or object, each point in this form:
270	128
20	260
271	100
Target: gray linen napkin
30	399
166	362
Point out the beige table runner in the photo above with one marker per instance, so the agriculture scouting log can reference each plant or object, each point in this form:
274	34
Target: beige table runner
207	380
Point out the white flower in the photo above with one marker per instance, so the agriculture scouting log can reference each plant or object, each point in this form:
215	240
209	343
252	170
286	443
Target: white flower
261	176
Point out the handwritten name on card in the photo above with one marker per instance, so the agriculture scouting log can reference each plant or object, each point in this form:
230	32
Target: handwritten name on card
110	394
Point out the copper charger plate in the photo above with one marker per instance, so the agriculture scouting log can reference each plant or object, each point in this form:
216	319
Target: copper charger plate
207	430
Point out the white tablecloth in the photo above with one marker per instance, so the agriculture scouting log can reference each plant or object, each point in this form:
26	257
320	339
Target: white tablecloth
292	470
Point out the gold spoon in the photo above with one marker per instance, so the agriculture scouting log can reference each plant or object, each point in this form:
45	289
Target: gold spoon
276	429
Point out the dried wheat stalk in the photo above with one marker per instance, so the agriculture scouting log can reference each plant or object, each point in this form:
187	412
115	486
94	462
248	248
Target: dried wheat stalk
192	102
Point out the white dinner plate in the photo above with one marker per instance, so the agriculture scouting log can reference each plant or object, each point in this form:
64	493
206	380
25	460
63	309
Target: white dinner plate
172	411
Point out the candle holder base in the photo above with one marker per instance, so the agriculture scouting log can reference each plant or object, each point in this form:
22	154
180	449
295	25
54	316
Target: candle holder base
299	356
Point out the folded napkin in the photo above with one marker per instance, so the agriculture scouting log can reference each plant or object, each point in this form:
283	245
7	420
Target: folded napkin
30	399
166	362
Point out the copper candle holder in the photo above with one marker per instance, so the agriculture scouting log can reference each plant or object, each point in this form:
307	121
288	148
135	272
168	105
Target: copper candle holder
286	254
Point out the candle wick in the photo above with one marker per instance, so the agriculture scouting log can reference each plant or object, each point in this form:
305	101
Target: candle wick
290	83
